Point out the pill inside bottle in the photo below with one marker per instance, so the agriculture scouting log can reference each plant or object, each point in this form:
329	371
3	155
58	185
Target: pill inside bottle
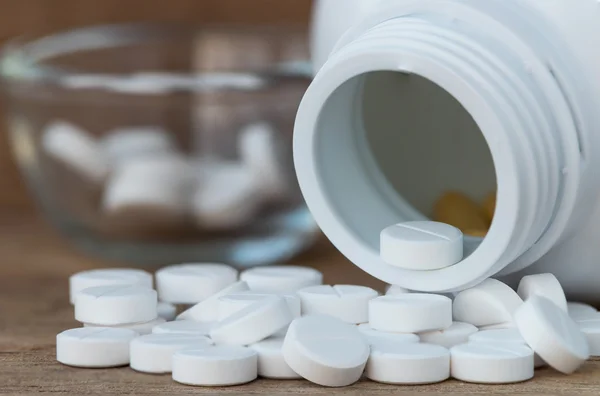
418	147
392	147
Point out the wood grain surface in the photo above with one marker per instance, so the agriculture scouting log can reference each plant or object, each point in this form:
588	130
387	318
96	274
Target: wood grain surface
34	307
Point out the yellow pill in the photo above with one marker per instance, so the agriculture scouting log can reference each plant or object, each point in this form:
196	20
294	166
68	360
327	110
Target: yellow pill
489	206
457	209
476	233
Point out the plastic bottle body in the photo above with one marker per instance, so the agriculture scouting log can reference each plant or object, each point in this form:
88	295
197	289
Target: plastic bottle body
505	70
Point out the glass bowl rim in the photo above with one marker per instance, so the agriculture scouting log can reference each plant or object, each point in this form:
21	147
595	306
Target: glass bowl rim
18	65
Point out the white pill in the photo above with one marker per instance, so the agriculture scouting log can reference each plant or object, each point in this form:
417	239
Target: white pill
207	310
504	336
142	328
410	313
505	325
227	197
501	336
215	366
325	350
188	327
421	245
107	277
346	302
192	283
491	302
153	353
591	330
124	144
94	347
254	323
259	149
492	363
75	148
151	189
384	338
550	332
394	289
281	278
271	363
579	310
234	302
454	335
115	305
166	310
587	318
408	363
545	285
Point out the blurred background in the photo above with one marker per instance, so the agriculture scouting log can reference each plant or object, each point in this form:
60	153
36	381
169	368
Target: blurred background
39	17
137	141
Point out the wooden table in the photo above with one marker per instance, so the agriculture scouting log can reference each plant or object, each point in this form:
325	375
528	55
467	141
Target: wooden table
34	269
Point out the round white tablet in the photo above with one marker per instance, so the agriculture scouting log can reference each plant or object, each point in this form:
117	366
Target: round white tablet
591	330
254	323
498	336
270	360
505	325
107	277
281	278
94	347
258	148
140	328
215	366
410	313
504	336
192	283
490	302
76	149
346	302
491	363
325	350
579	310
456	334
153	353
226	198
545	285
166	311
550	332
394	289
586	317
115	305
207	310
421	245
188	327
234	302
408	363
384	338
150	189
126	143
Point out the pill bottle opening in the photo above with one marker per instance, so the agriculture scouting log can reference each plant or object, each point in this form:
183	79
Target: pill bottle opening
391	145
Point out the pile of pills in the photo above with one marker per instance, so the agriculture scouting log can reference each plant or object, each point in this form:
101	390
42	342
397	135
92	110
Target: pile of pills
281	322
144	179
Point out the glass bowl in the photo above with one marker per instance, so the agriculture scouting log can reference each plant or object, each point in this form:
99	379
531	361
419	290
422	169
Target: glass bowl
158	143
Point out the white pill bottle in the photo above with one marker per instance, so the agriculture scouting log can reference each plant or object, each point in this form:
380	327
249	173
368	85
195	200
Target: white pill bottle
417	97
